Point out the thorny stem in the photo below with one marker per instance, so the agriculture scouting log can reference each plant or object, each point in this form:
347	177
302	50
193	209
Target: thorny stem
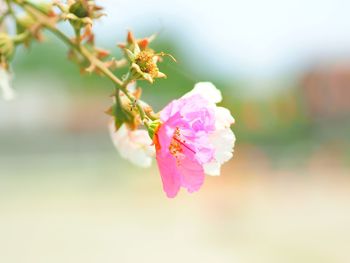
135	102
45	21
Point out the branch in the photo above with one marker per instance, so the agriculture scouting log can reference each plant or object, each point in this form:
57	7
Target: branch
49	24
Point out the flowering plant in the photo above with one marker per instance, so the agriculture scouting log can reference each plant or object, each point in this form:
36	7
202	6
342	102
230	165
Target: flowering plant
189	138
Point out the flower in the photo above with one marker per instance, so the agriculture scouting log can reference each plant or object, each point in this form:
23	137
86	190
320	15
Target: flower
143	60
194	138
144	63
133	145
5	85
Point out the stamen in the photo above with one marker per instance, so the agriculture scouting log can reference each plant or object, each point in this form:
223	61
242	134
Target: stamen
176	144
183	144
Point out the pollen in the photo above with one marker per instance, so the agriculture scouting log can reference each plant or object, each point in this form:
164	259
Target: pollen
146	61
175	146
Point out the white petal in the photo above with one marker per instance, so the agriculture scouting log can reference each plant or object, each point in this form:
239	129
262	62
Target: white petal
223	141
223	117
135	146
5	85
207	90
212	168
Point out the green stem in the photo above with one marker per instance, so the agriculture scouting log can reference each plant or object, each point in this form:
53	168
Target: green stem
135	102
77	35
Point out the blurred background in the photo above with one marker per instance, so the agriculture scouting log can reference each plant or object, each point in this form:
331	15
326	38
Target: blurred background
284	70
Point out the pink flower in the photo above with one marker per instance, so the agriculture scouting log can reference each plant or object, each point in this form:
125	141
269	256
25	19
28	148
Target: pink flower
189	140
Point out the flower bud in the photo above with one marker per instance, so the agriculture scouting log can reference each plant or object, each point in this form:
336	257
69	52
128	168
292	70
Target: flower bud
80	9
83	9
82	12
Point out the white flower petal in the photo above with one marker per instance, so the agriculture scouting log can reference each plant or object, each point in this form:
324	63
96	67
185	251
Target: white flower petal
212	168
223	141
207	90
5	85
223	117
135	146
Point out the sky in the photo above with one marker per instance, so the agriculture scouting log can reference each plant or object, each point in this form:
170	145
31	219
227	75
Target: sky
248	38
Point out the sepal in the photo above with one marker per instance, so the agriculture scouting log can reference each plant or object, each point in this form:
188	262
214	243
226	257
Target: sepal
153	127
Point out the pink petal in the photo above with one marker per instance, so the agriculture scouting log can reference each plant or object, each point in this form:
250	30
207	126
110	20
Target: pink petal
191	172
166	162
169	174
184	171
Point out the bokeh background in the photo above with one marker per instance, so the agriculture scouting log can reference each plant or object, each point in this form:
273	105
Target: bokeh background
284	70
